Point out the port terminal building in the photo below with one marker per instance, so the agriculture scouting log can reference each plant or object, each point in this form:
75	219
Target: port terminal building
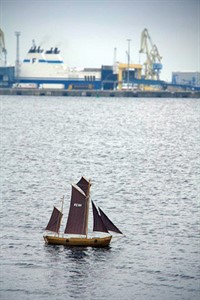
124	77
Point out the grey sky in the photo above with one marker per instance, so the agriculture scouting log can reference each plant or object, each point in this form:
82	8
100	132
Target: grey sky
87	31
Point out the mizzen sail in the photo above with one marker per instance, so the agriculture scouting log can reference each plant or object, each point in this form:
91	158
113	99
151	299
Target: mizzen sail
108	223
55	220
98	224
77	218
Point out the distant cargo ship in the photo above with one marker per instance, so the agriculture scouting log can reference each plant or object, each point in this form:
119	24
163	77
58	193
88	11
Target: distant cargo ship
46	69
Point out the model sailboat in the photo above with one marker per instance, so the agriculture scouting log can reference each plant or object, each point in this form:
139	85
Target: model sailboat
77	222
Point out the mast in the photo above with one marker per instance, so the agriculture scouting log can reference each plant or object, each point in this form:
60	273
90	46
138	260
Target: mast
87	206
85	185
62	203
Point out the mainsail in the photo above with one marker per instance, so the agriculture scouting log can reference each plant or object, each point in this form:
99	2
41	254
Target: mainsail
55	220
98	224
108	223
77	218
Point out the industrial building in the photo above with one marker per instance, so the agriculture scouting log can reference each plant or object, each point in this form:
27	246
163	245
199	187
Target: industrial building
7	76
186	78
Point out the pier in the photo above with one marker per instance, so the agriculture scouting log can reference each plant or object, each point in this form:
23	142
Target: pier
99	93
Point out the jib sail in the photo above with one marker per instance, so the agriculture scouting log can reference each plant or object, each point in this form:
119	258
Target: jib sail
98	224
108	223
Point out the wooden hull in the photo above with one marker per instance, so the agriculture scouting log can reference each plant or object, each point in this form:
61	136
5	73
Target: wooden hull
78	242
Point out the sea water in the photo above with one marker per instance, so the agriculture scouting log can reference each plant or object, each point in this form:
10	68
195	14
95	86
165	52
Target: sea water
142	156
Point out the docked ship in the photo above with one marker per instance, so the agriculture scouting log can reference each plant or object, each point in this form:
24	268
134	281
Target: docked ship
46	69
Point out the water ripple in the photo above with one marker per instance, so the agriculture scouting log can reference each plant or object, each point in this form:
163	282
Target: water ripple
143	158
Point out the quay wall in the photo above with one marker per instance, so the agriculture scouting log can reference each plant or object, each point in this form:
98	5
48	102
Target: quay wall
99	93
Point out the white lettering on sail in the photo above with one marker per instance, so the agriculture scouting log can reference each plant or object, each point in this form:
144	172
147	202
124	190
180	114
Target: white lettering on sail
77	204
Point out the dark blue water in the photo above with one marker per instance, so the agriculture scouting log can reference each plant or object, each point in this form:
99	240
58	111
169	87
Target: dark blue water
143	158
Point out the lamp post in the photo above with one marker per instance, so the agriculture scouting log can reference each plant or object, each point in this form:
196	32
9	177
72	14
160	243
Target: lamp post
128	75
17	63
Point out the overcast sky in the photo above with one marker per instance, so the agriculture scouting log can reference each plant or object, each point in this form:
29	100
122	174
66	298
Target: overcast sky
87	31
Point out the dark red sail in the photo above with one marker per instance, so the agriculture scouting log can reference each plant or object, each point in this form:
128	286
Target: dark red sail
77	218
108	223
98	224
55	220
84	185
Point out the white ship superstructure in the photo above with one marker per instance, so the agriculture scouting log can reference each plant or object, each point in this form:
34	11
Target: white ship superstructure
41	66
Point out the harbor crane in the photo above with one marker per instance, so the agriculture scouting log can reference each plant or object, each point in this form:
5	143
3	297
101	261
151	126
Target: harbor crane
3	51
152	65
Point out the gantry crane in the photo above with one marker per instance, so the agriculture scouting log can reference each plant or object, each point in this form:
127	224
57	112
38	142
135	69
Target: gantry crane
3	51
152	64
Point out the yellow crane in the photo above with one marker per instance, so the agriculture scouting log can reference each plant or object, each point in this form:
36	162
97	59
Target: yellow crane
3	51
152	65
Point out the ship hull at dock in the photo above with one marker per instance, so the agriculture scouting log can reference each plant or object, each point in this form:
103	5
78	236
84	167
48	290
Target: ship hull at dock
98	242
